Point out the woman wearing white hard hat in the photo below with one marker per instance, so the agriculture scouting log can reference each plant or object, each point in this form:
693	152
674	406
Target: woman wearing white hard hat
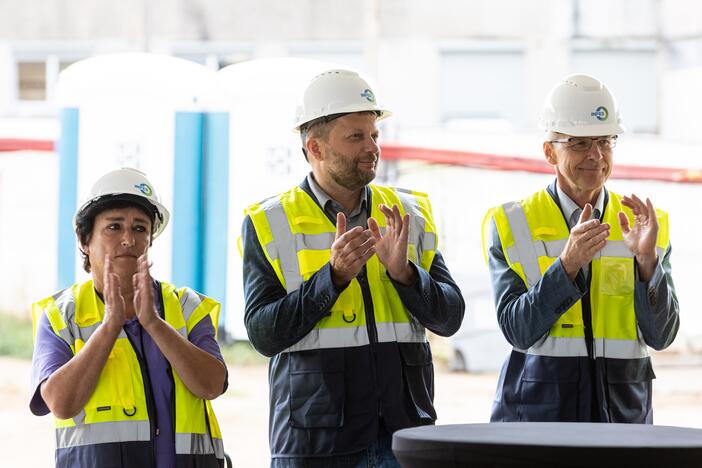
127	364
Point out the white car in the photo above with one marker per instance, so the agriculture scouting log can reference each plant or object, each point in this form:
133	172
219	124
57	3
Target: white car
479	345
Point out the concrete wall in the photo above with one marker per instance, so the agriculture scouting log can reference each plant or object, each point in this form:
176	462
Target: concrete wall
253	20
403	44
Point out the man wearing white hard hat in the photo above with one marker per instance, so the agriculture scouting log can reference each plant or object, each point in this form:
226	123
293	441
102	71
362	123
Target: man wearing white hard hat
125	363
581	277
341	278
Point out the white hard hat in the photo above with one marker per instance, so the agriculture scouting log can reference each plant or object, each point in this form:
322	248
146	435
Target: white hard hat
132	185
336	92
581	105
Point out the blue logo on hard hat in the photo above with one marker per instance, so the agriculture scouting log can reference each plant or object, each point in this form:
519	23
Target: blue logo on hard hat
601	113
368	94
145	189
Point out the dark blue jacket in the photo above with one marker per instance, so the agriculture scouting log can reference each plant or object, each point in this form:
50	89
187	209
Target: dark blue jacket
542	388
332	401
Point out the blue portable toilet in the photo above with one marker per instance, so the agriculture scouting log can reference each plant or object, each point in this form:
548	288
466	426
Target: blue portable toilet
155	113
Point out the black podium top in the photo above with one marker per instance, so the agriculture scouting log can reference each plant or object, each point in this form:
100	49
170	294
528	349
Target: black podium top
548	444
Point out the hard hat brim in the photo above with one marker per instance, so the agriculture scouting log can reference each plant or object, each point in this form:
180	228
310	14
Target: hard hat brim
588	130
382	114
161	214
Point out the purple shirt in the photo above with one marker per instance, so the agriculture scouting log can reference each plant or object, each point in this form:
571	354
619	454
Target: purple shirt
51	352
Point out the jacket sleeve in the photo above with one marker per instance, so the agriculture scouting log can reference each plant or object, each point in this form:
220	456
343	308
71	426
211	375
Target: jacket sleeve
434	299
525	315
274	319
656	306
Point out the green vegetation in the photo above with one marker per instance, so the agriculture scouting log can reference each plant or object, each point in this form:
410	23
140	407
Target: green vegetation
16	341
241	353
15	336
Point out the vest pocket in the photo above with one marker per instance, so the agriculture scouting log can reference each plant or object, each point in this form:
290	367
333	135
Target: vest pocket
548	389
113	398
617	276
629	385
418	372
317	390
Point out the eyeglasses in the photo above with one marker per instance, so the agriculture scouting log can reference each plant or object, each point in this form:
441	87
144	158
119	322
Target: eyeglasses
582	144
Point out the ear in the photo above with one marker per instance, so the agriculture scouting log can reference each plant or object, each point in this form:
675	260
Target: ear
314	151
550	153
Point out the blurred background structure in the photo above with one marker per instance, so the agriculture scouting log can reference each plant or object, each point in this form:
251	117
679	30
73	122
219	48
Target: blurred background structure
465	80
433	62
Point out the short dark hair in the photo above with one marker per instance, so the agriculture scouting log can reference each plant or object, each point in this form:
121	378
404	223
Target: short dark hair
320	128
85	220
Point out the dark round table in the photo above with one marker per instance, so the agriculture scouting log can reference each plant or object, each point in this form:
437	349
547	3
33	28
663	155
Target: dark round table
548	445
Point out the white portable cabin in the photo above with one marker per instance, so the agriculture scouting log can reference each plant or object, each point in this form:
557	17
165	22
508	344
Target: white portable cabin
265	154
149	112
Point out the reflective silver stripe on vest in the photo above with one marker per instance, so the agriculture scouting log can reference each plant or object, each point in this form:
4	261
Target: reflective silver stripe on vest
80	417
189	301
65	334
604	347
219	448
526	253
615	249
620	349
559	347
197	444
418	236
402	332
619	249
428	241
86	332
526	250
553	249
283	237
322	241
66	304
320	338
102	433
271	250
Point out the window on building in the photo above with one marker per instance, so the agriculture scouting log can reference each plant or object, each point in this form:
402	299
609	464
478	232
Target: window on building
32	81
482	84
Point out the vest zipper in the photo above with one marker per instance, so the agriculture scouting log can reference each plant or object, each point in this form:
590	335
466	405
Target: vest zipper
587	318
372	331
169	372
595	404
146	381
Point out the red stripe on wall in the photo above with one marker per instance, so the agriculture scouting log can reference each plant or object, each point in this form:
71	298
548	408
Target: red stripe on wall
519	163
17	144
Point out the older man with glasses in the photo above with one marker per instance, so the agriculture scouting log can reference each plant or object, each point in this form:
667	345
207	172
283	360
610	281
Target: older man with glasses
581	277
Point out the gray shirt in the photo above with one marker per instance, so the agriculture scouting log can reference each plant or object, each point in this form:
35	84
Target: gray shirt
572	211
359	215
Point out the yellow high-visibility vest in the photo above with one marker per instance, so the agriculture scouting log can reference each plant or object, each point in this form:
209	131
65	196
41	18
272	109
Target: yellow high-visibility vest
533	234
117	409
296	237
